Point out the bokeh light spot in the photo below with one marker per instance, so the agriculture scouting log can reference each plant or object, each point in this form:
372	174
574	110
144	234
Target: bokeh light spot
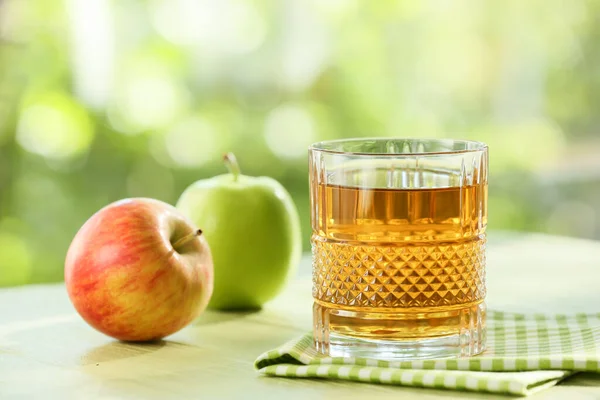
289	130
55	127
148	101
92	38
306	47
194	142
225	26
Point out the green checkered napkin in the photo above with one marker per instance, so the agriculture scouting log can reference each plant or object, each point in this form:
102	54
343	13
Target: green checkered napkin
525	354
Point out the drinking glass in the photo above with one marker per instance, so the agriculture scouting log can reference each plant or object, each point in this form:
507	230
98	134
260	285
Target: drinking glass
398	245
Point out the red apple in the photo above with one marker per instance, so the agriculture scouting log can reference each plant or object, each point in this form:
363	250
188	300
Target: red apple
138	270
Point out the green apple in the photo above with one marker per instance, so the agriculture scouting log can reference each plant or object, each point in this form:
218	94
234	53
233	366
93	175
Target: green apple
253	229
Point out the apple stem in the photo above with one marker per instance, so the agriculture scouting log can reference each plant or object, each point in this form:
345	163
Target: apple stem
185	240
232	165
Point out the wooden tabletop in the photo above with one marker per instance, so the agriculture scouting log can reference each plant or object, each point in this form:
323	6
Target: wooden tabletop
47	351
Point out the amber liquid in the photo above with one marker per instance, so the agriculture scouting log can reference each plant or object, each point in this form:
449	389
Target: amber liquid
397	264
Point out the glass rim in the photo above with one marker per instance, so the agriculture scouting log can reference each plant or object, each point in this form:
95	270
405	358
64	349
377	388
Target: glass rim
478	146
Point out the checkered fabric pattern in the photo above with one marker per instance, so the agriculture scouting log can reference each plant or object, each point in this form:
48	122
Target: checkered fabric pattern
525	354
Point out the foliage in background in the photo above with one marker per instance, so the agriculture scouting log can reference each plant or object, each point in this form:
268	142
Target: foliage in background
102	100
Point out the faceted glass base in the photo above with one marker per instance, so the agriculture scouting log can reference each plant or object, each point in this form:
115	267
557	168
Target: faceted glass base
394	335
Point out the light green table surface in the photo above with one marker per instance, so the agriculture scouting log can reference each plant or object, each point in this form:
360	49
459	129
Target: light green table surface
47	351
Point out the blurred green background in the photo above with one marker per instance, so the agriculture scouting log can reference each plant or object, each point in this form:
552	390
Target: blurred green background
101	100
